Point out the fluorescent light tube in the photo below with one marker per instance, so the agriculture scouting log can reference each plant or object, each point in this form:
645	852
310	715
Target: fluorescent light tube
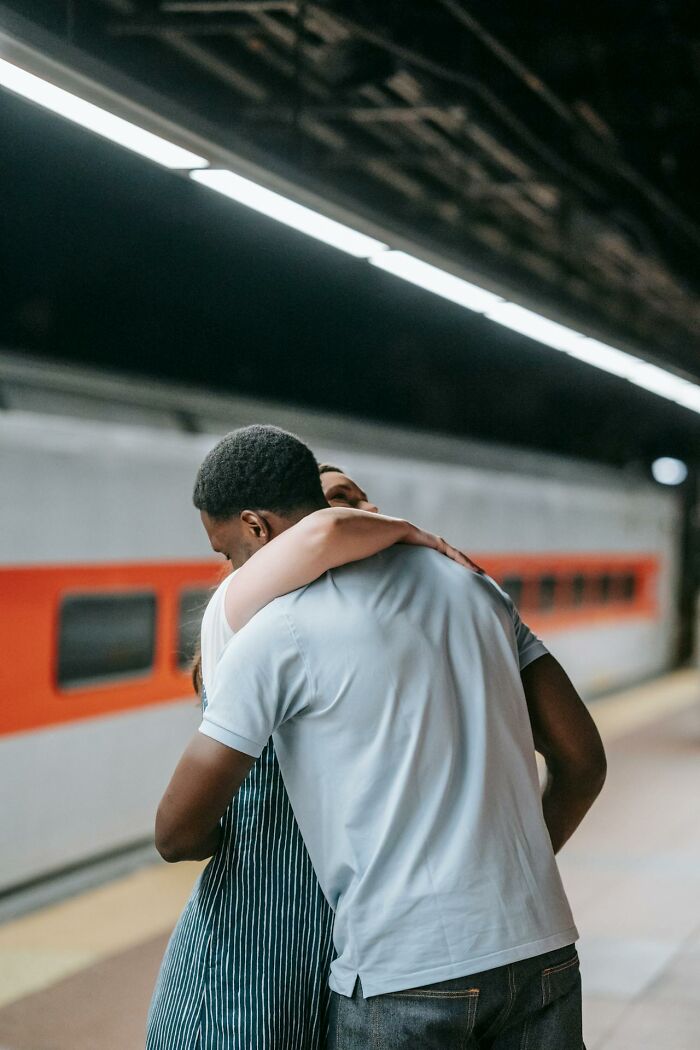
650	377
667	385
96	119
642	373
298	216
607	358
433	279
534	326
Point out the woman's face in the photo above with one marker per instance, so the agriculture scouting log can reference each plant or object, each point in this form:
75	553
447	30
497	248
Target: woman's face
342	491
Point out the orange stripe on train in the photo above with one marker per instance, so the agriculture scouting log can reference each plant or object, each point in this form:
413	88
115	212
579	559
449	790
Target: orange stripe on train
30	602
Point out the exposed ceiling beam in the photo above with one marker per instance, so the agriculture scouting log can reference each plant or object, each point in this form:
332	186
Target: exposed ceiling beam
361	114
185	25
247	7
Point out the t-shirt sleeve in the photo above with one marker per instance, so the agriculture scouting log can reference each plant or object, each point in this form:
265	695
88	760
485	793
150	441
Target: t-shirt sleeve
260	683
529	646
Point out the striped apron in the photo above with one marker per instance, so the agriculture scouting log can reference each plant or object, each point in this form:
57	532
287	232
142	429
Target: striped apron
248	962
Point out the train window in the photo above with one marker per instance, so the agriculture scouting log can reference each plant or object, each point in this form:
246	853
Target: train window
593	589
513	586
105	636
193	602
628	588
618	587
578	589
547	591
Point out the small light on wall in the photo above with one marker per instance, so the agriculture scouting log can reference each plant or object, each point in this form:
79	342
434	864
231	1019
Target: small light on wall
669	471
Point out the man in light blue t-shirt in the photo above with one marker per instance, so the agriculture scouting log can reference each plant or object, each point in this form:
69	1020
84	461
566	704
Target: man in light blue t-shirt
406	698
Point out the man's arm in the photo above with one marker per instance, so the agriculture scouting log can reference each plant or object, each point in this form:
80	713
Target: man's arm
206	778
260	683
567	737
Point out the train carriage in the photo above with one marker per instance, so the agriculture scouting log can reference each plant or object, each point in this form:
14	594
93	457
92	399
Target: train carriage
104	571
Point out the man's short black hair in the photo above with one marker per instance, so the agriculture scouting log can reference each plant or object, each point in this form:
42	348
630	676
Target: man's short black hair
258	468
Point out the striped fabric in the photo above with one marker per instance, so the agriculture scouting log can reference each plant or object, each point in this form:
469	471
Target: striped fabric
247	965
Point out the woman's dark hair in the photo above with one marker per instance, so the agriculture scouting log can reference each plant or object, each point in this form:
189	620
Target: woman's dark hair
258	468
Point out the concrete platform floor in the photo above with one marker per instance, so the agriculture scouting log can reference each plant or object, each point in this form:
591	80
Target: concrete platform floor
79	975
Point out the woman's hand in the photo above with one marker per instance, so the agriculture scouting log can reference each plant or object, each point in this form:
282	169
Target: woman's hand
319	542
421	538
459	556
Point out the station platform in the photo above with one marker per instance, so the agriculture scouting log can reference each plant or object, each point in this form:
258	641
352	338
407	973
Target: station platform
78	975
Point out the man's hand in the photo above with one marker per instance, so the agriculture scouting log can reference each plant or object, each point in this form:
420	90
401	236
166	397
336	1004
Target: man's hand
206	778
567	737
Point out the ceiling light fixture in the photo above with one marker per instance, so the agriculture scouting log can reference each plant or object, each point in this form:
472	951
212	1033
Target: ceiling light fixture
298	216
651	377
616	362
669	471
435	280
635	370
96	119
534	326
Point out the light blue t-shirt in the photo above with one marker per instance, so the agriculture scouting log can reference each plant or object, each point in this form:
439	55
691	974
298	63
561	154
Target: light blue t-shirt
392	687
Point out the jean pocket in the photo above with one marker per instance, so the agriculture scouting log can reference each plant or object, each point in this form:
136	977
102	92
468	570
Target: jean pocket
435	992
437	1016
559	978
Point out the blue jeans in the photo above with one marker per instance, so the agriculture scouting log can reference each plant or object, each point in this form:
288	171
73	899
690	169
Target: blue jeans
530	1005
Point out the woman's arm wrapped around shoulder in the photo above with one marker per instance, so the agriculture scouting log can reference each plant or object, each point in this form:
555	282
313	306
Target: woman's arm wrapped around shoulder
321	541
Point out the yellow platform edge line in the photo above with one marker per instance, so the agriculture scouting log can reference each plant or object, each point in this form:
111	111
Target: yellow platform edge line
65	938
625	712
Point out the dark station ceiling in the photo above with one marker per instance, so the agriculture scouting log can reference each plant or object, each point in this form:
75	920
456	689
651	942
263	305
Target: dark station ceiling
549	146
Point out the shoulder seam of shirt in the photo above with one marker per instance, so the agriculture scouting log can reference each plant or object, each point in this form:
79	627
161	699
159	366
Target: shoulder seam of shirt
505	600
300	651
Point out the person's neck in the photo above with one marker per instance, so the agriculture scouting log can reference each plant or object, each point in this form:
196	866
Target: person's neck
281	522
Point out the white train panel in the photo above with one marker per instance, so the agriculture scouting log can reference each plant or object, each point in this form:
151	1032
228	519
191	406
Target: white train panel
84	789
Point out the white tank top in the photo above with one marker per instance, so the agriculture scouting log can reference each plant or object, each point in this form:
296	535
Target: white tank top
216	634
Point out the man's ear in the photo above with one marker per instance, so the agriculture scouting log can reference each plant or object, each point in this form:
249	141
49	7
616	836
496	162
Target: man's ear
257	527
